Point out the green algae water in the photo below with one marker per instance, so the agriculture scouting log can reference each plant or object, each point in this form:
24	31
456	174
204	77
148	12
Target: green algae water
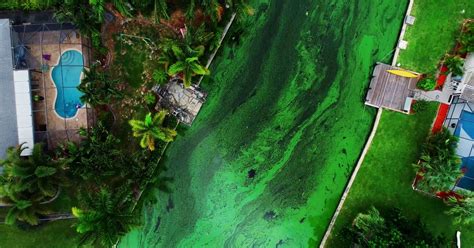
267	159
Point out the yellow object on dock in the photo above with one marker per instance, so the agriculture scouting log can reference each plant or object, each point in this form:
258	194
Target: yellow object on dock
403	73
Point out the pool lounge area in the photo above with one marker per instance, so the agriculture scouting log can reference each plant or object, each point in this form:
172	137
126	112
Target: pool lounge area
55	55
460	121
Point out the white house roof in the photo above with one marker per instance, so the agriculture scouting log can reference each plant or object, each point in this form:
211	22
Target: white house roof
16	122
24	114
8	120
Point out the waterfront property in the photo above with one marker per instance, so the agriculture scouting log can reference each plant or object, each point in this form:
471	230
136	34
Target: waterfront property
54	55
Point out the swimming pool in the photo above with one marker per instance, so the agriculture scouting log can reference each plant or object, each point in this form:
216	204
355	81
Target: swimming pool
465	131
66	76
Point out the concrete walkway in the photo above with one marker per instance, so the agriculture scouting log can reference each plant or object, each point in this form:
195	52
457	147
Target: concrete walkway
353	176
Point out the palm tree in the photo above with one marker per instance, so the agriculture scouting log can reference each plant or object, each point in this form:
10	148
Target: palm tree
105	218
26	183
36	176
152	128
187	63
25	210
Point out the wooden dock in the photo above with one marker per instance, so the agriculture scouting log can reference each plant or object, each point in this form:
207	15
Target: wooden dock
389	91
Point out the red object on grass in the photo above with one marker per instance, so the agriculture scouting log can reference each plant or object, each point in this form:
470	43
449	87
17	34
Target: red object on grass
442	77
440	117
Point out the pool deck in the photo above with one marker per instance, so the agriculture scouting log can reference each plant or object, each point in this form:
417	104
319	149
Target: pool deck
58	129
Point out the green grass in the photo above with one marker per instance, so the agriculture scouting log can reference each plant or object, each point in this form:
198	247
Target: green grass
129	64
385	178
54	234
436	28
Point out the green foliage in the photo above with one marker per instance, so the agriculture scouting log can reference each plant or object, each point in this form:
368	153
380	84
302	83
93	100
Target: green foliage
187	63
160	76
439	166
420	106
101	157
105	217
152	128
98	155
150	98
370	221
455	65
427	83
467	38
27	4
99	88
26	182
464	209
371	229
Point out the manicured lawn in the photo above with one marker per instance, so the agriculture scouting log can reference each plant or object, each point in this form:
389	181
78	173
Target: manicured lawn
385	178
434	33
55	234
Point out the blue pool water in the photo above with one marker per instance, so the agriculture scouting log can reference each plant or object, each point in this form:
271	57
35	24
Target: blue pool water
465	131
66	76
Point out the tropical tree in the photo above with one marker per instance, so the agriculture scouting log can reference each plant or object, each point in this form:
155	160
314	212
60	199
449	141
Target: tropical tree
99	88
463	210
390	229
27	182
439	165
26	211
98	156
105	217
152	128
369	222
36	175
438	175
187	63
455	65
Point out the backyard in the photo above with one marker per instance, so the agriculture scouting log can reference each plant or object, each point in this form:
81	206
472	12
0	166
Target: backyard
385	177
436	28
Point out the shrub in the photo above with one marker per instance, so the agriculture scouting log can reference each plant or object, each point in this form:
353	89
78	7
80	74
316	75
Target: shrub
420	106
388	229
439	166
150	98
467	39
455	65
427	83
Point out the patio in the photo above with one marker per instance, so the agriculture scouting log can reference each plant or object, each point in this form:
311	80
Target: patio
39	49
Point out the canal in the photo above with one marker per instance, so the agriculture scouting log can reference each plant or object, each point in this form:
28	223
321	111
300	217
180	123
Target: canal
267	159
